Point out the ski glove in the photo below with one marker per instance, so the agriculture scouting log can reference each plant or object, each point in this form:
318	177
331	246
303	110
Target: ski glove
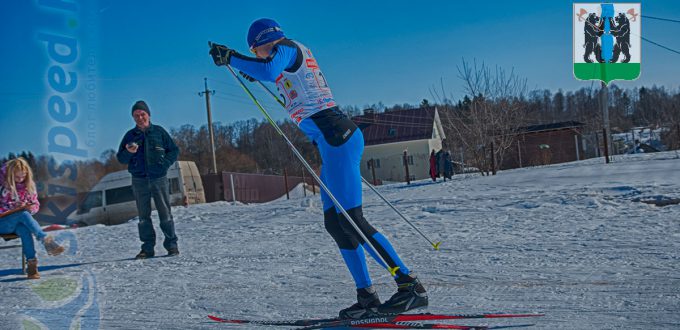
249	78
221	54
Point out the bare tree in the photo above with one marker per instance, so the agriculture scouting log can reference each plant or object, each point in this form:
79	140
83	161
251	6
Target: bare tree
490	120
671	118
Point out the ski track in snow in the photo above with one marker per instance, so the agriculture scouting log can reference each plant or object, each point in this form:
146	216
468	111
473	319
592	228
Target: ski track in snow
568	240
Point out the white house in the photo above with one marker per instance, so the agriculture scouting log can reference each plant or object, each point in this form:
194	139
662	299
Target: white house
387	135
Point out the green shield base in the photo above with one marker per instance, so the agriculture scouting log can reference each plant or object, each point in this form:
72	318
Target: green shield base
606	72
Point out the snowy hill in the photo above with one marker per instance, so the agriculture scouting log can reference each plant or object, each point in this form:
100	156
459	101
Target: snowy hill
571	241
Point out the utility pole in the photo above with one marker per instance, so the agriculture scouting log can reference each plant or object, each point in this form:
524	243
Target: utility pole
408	176
604	102
207	94
285	182
493	158
304	183
372	164
519	153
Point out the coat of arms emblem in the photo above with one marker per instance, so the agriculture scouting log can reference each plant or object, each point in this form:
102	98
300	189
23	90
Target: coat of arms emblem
607	41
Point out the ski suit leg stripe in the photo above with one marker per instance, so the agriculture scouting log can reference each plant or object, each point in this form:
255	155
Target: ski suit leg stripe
350	249
356	263
342	175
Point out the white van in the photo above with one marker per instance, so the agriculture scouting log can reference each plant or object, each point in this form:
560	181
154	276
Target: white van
111	201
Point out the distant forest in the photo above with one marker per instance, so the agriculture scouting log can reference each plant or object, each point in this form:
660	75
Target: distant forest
253	146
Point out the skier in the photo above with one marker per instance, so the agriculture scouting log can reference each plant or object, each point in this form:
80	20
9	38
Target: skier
310	104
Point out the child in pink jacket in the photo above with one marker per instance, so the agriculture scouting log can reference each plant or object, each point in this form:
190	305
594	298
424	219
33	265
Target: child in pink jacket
18	202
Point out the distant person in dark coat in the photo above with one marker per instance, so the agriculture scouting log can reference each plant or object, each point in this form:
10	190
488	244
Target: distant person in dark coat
433	166
448	166
441	165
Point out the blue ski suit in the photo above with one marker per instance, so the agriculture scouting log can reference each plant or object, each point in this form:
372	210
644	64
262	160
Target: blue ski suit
309	102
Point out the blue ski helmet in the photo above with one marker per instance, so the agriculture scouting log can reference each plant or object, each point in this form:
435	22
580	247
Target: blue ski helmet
263	31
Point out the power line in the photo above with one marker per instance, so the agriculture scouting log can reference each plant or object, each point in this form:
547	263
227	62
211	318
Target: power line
240	97
658	44
394	123
243	101
390	123
228	83
661	19
233	100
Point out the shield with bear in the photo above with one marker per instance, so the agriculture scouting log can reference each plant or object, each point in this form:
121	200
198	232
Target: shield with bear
607	41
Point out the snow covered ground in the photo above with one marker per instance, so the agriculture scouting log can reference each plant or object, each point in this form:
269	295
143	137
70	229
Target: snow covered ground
571	241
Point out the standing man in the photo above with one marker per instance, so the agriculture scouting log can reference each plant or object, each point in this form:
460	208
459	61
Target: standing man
149	151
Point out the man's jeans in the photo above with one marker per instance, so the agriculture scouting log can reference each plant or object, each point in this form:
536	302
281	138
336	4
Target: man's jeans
144	189
23	224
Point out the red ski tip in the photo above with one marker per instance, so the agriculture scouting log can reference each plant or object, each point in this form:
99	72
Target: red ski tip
218	319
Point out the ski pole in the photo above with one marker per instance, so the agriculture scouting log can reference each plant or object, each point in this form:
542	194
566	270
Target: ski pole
434	245
392	270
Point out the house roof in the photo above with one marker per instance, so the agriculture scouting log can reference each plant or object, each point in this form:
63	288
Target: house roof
397	126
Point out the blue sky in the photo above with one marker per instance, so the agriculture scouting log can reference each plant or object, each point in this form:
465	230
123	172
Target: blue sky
370	51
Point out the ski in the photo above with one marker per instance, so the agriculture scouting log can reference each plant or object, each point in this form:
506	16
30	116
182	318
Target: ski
299	323
336	322
403	321
418	325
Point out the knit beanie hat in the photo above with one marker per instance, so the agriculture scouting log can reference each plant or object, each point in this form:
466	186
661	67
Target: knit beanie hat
263	31
141	105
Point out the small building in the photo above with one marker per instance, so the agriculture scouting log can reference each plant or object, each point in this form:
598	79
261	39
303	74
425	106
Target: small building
545	144
387	135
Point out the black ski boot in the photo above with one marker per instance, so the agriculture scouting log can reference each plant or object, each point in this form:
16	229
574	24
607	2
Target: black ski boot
410	295
367	305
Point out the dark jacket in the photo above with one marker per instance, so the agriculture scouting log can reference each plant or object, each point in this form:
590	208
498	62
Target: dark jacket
448	166
433	165
156	153
441	162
